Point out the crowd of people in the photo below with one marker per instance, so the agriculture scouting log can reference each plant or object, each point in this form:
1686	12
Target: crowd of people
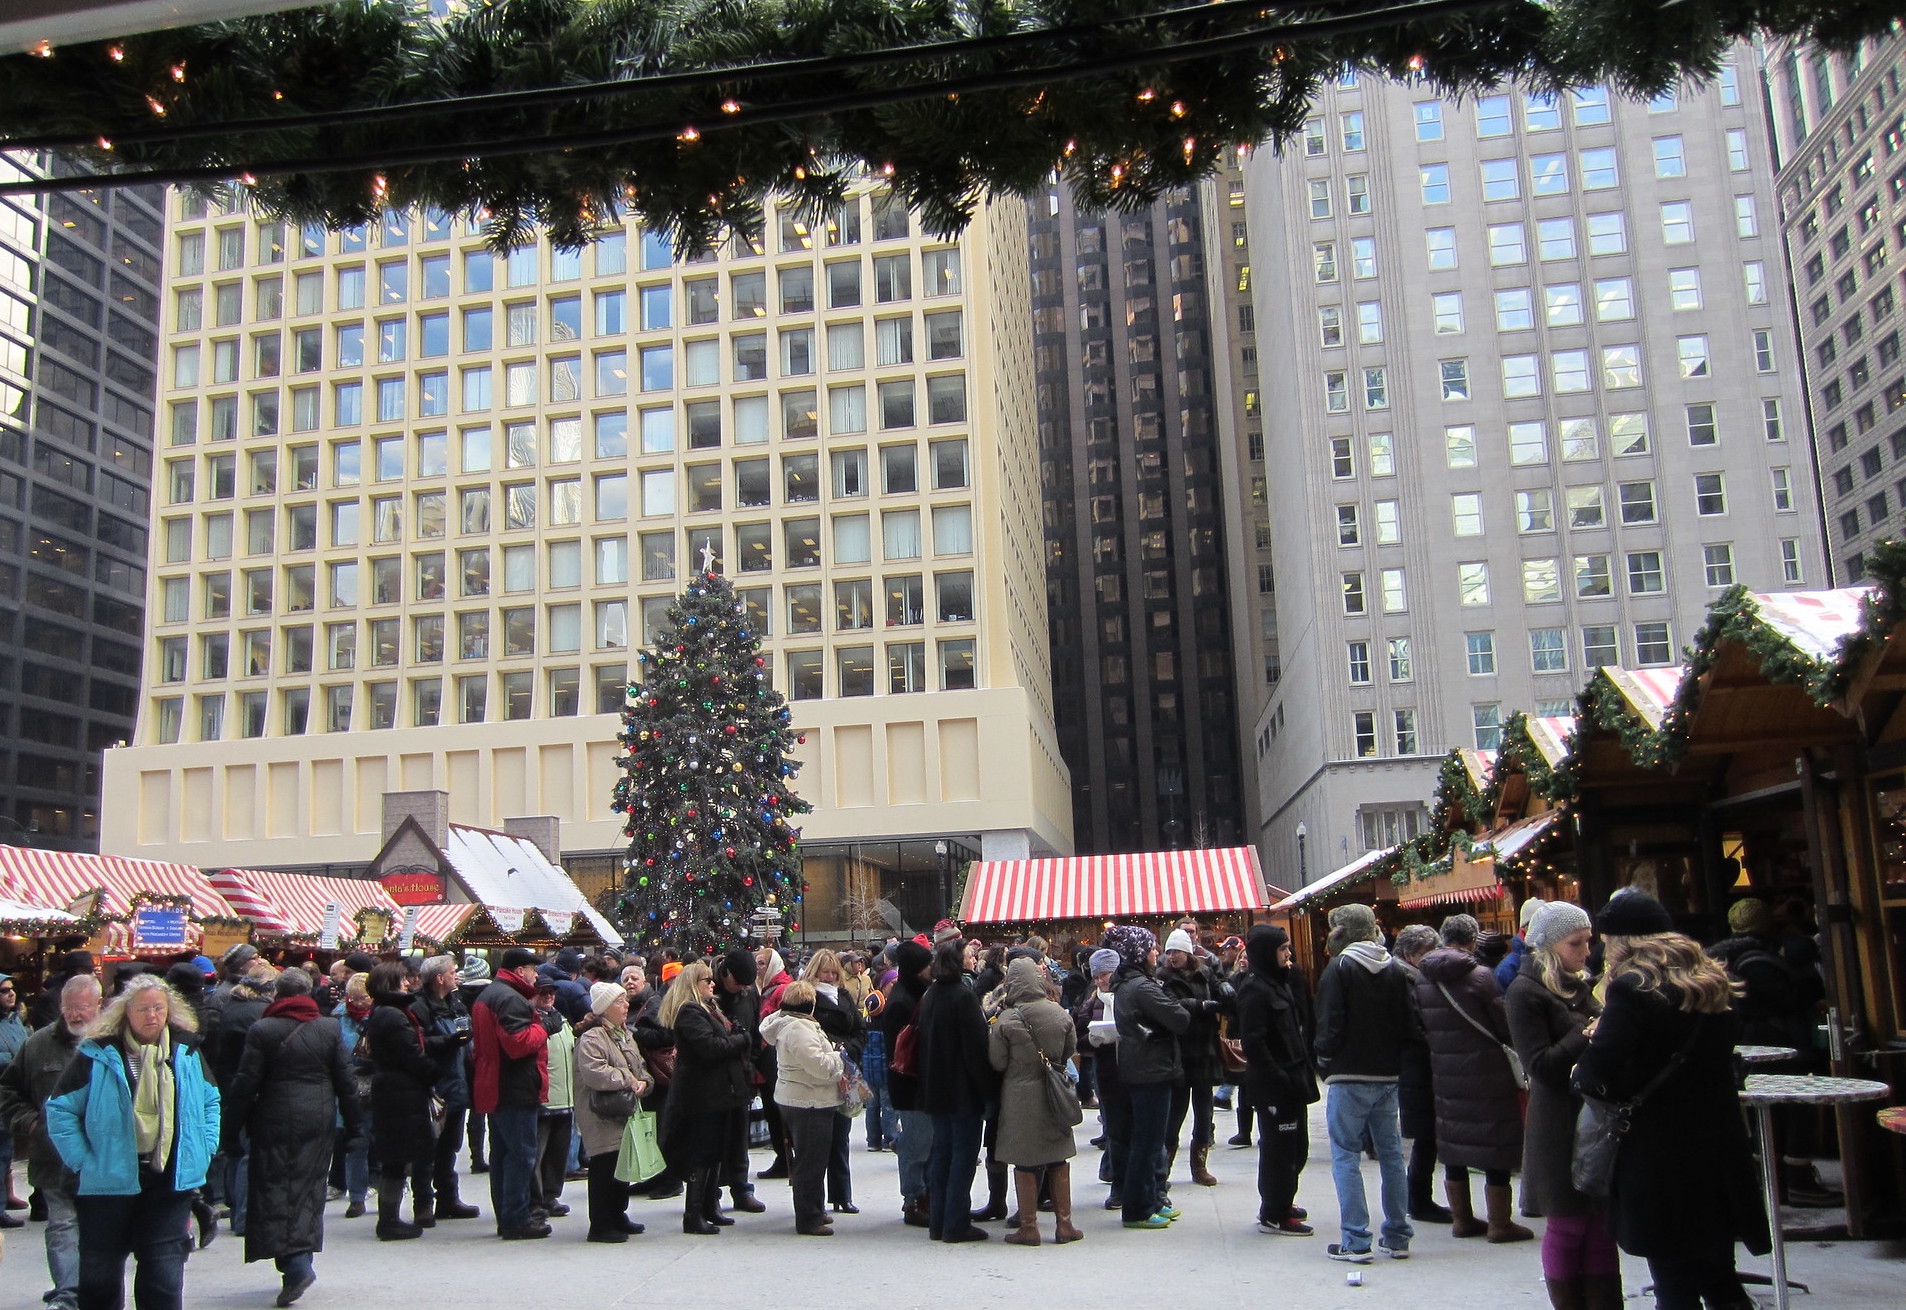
156	1106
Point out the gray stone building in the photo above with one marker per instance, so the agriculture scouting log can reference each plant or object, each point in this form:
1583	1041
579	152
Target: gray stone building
1531	401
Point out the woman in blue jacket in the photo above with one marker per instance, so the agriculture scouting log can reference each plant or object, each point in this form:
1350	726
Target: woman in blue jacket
136	1117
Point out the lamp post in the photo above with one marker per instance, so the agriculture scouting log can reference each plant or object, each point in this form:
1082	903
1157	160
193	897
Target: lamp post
1303	867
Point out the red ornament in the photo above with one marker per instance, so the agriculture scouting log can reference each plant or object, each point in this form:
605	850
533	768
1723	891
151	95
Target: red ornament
731	730
650	862
729	851
748	881
691	814
759	662
802	739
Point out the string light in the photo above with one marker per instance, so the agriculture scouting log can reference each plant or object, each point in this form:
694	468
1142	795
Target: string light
42	50
157	107
688	133
178	72
731	106
116	53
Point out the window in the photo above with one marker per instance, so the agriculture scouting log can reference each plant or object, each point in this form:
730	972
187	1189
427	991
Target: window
1447	311
1441	243
1404	722
1637	500
1481	648
1645	577
1718	563
1614	299
1599	172
1790	560
1472	583
1736	150
1628	433
1354	602
1548	651
1535	510
1363	254
1376	388
1435	181
1520	376
1429	120
1701	425
1593	577
1684	288
1710	494
1459	447
1783	490
1652	644
1754	277
1671	157
1336	392
1402	667
1349	532
1388	520
1455	379
1599	647
1492	116
1513	311
1569	369
1487	724
1746	223
1320	198
1369	322
1501	179
1763	350
1621	366
1359	663
1363	730
1562	304
1677	222
1466	513
1508	244
1352	122
1330	326
1607	234
1541	581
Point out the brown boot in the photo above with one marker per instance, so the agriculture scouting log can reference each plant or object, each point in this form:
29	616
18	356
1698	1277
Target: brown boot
1059	1183
1502	1226
1462	1217
1568	1294
1026	1185
1601	1292
1199	1174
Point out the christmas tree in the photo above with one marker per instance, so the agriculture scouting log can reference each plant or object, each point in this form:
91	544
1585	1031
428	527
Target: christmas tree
707	780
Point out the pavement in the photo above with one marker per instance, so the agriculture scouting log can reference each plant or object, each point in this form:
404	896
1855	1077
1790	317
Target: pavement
1214	1251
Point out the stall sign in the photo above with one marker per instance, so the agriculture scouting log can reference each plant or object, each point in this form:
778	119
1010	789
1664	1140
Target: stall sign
414	885
158	927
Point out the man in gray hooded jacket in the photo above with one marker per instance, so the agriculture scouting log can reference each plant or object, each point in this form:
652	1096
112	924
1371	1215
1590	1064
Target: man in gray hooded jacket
1366	1015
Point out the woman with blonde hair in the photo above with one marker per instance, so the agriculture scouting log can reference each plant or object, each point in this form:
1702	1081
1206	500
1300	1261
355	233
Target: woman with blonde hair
808	1089
1551	1011
1684	1189
710	1088
136	1116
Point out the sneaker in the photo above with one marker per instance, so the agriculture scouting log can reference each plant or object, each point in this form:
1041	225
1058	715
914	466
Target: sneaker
1394	1252
1336	1251
1153	1224
1167	1212
1286	1228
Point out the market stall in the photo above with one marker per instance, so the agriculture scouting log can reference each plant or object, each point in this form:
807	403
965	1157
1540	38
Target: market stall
130	908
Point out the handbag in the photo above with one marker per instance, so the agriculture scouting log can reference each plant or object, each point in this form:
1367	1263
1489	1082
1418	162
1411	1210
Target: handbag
1062	1093
1516	1071
855	1093
613	1102
640	1156
905	1059
661	1063
1230	1049
1601	1124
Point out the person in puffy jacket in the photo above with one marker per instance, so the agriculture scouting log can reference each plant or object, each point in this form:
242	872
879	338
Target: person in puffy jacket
511	1079
1189	980
807	1086
1149	1024
403	1074
1478	1108
1278	1082
445	1020
136	1117
1032	1035
607	1060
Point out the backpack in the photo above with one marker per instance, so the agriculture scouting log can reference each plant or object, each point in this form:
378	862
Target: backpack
873	1059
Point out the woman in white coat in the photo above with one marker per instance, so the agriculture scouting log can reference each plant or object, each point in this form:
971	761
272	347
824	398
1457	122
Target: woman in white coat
807	1087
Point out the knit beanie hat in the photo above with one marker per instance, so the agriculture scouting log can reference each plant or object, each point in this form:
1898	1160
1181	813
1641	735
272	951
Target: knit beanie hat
1552	922
1104	960
1132	943
670	969
603	995
1631	913
1180	940
476	969
1354	922
1527	912
1750	915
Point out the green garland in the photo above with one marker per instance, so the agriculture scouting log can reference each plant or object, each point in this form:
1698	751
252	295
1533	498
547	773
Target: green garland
1882	610
1094	91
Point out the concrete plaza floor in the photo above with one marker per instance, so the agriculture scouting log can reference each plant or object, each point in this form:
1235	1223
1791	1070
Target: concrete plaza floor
1213	1255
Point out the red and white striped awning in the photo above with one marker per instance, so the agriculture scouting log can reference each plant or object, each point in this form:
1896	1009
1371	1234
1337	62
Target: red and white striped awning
293	904
1149	883
59	878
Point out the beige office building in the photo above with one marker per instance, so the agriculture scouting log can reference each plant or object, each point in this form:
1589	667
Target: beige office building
418	506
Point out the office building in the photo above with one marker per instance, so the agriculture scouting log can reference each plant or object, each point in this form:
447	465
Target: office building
1134	522
1532	402
420	503
79	296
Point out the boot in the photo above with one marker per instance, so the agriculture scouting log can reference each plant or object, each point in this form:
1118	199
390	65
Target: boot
1462	1218
1026	1185
694	1204
450	1205
744	1200
1502	1225
1059	1183
711	1204
913	1212
390	1218
1423	1207
1568	1293
424	1214
1601	1292
1199	1174
995	1207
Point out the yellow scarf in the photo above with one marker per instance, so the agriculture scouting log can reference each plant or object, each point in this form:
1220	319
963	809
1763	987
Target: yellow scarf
153	1095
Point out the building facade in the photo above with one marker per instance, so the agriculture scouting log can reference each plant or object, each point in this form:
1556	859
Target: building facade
79	297
420	505
1532	402
1135	524
1839	130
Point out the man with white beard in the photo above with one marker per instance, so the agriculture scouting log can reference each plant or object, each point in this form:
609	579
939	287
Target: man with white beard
24	1086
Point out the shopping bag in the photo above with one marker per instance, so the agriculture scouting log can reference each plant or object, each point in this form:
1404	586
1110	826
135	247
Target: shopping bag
640	1158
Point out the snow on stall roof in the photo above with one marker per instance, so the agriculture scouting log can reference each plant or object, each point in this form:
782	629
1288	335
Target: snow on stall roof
513	873
1816	622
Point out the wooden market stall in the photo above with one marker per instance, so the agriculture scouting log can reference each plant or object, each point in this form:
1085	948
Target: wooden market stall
130	908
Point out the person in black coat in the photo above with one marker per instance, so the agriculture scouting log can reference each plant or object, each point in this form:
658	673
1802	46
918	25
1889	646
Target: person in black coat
1149	1025
1415	1098
1684	1189
292	1084
1279	1082
735	993
912	1132
1196	985
445	1020
956	1082
709	1090
227	1019
403	1074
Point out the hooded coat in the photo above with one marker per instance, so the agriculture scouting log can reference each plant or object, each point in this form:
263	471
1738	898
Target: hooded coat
1030	1032
226	1022
1550	1040
400	1084
293	1081
1367	1015
903	1090
1275	1027
1478	1106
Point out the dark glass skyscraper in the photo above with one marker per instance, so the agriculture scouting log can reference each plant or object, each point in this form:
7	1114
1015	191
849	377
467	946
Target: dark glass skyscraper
79	312
1134	526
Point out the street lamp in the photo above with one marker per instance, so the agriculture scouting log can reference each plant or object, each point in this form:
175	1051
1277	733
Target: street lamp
1303	872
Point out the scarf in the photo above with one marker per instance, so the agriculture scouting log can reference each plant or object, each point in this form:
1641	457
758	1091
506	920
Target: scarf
153	1097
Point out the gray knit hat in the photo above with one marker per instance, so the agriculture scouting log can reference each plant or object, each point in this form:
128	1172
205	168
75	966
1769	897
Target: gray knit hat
1553	921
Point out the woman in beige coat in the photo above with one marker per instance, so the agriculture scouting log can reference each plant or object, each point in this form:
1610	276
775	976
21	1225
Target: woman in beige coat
1031	1032
607	1060
807	1086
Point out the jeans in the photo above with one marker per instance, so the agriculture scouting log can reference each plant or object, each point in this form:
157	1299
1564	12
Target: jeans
357	1165
911	1132
62	1247
149	1226
811	1142
512	1160
295	1267
238	1183
1194	1100
1283	1145
950	1168
840	1182
1145	1149
879	1116
1353	1109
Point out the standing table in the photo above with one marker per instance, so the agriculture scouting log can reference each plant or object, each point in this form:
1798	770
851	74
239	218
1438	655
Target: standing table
1765	1054
1762	1093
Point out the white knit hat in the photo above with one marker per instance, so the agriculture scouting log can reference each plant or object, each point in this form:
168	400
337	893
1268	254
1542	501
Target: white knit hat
1180	940
603	995
1527	912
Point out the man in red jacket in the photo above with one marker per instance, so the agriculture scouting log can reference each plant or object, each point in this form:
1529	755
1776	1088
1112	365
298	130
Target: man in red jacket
511	1050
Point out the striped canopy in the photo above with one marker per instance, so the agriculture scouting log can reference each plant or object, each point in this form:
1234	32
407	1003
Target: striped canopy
58	878
1147	884
293	904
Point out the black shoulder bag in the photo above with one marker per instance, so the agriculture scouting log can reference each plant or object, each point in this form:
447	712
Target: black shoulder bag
1601	1124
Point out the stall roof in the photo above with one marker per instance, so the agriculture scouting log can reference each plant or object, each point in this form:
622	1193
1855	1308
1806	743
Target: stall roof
294	903
1550	734
1649	692
1815	623
506	872
12	911
61	878
1506	843
1114	886
1336	878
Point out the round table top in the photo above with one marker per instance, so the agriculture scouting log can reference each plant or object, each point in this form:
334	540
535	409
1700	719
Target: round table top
1765	1054
1807	1089
1893	1119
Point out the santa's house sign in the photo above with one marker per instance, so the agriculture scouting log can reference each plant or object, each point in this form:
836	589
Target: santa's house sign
414	885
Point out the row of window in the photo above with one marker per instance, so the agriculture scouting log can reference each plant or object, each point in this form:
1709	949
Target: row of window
1584	508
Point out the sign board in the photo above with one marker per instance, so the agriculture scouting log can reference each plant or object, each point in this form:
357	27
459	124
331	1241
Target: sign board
414	885
409	933
158	927
215	941
560	922
333	920
508	922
